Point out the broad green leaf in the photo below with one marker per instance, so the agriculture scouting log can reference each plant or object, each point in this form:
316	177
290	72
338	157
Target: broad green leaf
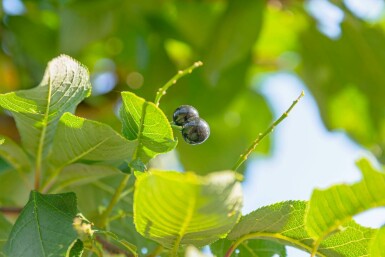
253	247
146	123
175	208
76	249
284	223
37	111
14	155
44	227
328	209
377	248
5	229
79	174
233	39
79	139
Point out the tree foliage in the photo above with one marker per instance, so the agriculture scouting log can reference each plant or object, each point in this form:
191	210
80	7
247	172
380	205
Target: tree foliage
78	166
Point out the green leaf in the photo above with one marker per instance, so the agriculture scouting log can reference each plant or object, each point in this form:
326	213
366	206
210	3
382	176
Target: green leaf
146	123
14	155
328	209
284	223
233	39
79	174
76	249
79	139
37	111
5	229
345	77
44	227
377	244
175	208
11	180
254	247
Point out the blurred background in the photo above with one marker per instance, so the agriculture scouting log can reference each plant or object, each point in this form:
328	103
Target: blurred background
258	55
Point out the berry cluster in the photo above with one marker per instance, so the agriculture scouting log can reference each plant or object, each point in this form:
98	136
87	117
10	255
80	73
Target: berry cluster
194	129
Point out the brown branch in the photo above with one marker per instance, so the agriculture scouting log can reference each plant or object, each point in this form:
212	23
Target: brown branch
10	210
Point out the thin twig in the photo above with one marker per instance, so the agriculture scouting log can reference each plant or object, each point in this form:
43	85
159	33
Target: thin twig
173	80
114	200
246	154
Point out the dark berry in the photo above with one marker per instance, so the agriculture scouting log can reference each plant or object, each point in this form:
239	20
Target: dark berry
184	114
196	131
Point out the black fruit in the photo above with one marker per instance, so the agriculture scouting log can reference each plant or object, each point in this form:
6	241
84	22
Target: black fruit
196	131
184	114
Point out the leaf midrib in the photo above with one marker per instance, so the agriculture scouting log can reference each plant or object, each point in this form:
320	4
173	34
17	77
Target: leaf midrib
186	222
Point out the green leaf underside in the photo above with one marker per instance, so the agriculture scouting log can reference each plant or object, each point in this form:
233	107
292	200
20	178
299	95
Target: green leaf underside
37	110
330	208
76	249
377	244
80	174
175	208
254	247
79	139
44	227
146	123
14	155
284	223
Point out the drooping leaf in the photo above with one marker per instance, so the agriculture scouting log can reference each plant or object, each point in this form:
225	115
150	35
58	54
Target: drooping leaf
44	227
284	223
253	247
146	123
175	208
79	139
79	174
37	111
14	155
376	247
328	209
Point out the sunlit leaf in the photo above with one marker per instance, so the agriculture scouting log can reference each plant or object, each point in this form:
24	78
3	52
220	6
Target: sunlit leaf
377	244
146	123
37	111
284	223
253	247
331	208
79	139
174	208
